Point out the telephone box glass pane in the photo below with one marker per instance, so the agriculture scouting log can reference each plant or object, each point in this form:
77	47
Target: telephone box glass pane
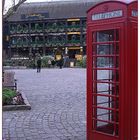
103	101
105	75
106	81
105	62
104	88
105	49
105	36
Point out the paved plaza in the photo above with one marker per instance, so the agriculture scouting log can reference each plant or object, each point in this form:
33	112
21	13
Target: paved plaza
58	102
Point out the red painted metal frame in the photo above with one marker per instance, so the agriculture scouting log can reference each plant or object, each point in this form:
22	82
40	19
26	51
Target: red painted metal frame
128	62
133	42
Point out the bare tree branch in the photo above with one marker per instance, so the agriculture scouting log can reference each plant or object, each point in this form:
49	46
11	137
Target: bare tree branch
13	8
3	3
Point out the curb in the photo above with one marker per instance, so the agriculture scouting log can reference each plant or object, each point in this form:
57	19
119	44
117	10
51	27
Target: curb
27	106
14	67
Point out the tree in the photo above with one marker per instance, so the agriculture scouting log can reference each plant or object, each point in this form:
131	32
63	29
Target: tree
12	9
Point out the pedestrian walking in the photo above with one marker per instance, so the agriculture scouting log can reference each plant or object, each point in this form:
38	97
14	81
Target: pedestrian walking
38	62
65	61
39	65
60	63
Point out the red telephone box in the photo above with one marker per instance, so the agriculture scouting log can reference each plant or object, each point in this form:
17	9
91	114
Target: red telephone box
112	71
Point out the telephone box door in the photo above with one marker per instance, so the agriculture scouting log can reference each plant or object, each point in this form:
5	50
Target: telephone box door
104	78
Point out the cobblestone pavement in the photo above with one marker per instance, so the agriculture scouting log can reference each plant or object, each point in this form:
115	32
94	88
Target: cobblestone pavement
58	101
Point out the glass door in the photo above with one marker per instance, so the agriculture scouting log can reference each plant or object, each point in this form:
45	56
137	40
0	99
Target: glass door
106	82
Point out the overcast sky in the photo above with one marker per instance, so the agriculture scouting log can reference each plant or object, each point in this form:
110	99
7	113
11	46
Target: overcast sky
44	0
68	0
8	3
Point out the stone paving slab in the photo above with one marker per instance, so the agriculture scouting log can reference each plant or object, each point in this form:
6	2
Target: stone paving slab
58	100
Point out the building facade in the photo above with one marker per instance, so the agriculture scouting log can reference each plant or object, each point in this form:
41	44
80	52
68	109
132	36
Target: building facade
49	28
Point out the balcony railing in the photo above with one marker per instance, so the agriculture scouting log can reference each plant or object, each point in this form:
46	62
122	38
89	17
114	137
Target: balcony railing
25	44
33	30
19	29
55	43
25	30
37	29
61	28
72	28
73	42
37	43
12	30
19	44
53	29
13	45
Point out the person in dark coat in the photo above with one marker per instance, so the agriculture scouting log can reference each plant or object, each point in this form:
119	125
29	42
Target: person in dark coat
39	65
60	62
53	63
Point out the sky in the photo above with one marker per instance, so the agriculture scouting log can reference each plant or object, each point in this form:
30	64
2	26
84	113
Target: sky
44	0
8	3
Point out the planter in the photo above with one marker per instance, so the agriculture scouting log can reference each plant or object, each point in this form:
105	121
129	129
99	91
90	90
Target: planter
25	106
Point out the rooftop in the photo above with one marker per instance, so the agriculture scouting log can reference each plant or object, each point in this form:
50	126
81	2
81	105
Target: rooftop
54	10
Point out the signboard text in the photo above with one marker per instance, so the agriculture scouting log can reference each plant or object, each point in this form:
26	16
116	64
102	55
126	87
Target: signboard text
107	15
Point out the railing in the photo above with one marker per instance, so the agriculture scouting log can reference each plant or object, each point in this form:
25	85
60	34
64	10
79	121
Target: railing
48	29
19	44
25	30
37	44
39	29
71	28
73	42
33	30
13	45
33	44
61	28
36	29
55	43
25	44
54	29
12	30
19	29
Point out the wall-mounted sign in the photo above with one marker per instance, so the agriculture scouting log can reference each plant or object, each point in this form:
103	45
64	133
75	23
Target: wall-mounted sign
35	16
134	13
107	15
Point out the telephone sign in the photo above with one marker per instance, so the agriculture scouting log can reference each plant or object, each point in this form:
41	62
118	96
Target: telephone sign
107	15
